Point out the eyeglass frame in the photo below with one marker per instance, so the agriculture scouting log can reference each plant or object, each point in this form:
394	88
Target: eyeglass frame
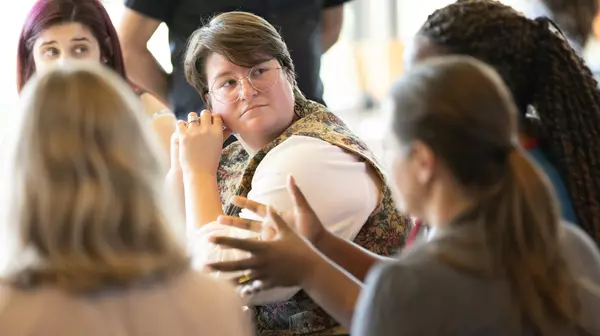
241	81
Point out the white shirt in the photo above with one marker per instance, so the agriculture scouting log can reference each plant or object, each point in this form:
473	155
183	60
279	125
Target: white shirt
340	188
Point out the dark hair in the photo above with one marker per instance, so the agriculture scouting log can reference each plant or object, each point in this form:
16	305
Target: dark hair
457	103
243	38
575	18
542	71
47	13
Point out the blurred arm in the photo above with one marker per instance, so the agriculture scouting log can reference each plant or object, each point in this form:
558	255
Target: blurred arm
135	30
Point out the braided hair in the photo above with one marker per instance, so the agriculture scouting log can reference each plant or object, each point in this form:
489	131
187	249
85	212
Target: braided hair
544	72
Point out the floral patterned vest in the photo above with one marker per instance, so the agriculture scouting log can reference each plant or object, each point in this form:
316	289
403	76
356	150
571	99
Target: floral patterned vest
383	233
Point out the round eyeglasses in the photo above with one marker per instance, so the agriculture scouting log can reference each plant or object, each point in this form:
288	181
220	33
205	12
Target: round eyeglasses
227	89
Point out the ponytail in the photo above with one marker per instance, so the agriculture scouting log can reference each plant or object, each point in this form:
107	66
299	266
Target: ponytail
522	226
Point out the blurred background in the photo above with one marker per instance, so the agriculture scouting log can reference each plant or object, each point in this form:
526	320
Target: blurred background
357	71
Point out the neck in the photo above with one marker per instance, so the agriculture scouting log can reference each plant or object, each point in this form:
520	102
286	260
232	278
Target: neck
446	205
255	142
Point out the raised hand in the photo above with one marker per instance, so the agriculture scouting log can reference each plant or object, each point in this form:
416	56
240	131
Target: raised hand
200	142
301	219
282	261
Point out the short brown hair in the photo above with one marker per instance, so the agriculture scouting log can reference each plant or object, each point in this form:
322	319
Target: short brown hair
243	38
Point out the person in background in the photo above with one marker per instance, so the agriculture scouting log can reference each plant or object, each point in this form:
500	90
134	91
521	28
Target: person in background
501	260
555	92
57	31
574	17
241	67
309	28
91	243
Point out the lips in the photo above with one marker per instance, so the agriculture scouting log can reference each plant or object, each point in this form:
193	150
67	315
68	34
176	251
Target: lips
250	108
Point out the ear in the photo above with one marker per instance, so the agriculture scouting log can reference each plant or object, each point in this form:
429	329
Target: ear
108	46
208	102
424	162
106	51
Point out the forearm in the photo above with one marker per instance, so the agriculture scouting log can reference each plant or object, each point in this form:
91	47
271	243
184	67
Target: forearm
202	200
328	40
164	127
333	289
174	182
351	257
144	70
332	26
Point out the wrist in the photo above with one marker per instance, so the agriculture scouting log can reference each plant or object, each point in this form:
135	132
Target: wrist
322	239
198	174
313	265
162	112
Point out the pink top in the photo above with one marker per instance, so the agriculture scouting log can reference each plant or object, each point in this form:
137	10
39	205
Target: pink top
191	304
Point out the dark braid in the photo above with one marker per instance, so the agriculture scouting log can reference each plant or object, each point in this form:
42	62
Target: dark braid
543	71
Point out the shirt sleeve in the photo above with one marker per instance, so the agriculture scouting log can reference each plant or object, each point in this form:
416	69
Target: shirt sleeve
386	304
336	183
160	10
204	252
333	3
339	187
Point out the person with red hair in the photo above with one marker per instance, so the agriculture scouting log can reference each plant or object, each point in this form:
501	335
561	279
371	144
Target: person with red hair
63	30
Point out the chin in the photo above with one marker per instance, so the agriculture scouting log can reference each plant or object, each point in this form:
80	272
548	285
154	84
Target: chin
259	125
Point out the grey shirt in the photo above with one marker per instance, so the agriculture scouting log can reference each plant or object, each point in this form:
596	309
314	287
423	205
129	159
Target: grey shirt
420	295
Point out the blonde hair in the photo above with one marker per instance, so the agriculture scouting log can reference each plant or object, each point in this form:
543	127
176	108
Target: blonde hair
86	204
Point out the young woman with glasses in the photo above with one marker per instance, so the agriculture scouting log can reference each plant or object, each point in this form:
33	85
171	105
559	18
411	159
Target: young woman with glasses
242	69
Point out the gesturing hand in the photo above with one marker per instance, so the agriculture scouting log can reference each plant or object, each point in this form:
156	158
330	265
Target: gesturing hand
282	261
200	142
283	258
301	219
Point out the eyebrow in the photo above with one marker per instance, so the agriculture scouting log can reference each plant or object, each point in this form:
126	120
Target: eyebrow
229	72
223	73
75	39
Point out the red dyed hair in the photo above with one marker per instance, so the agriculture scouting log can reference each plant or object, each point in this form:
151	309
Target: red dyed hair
47	13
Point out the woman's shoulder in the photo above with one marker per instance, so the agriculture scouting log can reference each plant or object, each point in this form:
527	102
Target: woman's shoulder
581	251
303	155
202	288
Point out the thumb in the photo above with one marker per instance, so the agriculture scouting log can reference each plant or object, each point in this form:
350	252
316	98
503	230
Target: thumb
298	198
278	223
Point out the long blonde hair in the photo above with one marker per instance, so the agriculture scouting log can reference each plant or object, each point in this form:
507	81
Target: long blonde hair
85	203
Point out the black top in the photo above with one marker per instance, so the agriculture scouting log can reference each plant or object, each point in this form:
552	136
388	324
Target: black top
299	22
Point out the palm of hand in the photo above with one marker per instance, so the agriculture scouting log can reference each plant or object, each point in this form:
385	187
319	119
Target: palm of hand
303	223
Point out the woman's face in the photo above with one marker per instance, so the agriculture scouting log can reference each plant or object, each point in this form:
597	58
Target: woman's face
260	104
63	42
412	168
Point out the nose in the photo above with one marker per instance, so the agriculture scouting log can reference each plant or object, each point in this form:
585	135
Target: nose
64	58
248	91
